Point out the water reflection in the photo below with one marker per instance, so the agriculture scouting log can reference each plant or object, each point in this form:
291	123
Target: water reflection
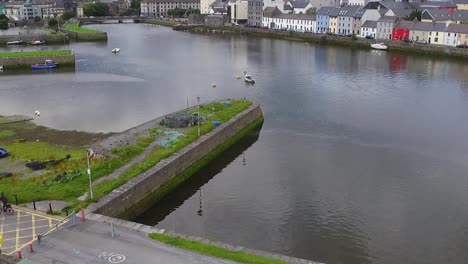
159	211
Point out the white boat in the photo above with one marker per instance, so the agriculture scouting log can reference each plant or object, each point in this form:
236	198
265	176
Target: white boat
38	42
379	46
248	78
116	50
15	42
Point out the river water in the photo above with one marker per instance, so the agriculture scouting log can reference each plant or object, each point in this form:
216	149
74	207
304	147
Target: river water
361	158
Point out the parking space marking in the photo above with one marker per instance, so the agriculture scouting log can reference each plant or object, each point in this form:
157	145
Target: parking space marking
17	229
33	223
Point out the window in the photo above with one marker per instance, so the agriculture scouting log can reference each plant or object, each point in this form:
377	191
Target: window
437	34
436	39
449	34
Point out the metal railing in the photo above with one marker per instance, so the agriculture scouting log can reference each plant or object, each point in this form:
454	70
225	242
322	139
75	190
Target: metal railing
71	219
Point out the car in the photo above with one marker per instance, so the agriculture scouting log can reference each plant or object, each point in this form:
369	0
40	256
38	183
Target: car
463	46
3	153
421	42
369	37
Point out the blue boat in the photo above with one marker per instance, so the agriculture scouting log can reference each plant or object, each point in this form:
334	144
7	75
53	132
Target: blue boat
3	152
48	65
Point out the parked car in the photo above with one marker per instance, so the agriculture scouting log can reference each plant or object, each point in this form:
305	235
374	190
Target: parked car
421	42
3	153
369	37
407	40
463	46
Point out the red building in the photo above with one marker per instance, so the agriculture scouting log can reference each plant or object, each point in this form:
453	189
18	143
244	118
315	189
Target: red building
401	30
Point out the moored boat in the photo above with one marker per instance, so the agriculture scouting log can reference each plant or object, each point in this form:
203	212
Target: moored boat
116	50
38	42
15	42
48	65
379	46
248	78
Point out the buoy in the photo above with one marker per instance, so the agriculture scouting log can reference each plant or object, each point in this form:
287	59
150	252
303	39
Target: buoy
214	84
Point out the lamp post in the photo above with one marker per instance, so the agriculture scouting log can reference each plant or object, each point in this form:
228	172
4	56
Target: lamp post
198	122
89	176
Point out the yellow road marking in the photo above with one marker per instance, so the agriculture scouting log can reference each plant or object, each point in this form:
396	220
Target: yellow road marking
22	229
17	229
50	222
33	223
26	222
38	214
15	238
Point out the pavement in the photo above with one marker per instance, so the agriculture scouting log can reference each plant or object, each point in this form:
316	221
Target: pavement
21	228
92	242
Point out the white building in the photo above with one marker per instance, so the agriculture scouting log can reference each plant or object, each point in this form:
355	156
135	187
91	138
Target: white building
385	27
158	8
205	6
255	13
300	6
274	3
21	11
291	22
239	11
451	36
369	28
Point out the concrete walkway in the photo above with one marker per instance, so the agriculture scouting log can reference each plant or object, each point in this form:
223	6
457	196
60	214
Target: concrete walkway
92	242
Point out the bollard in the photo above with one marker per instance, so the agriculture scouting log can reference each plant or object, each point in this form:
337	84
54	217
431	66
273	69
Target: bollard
19	254
16	199
50	207
66	211
34	204
82	215
31	248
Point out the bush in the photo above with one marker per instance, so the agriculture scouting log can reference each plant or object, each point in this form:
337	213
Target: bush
97	9
67	15
37	18
52	22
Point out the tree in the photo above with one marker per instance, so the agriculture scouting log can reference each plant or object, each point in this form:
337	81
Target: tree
52	22
67	15
3	24
414	15
97	9
3	17
311	11
37	19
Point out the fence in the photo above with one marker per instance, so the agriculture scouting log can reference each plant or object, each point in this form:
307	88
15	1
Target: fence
68	221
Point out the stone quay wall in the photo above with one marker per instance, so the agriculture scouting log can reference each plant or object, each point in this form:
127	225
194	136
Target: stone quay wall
79	36
49	38
131	194
25	62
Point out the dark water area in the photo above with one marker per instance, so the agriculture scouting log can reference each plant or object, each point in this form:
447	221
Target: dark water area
361	158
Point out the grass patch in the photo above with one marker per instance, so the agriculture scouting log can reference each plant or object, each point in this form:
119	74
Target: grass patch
48	53
165	23
42	151
75	27
50	31
6	133
214	251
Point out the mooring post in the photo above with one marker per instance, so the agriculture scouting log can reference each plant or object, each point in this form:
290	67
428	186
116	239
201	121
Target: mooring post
34	204
16	199
50	207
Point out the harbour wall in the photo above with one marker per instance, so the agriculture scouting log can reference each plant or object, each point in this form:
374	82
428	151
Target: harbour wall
323	39
135	196
79	36
49	38
25	62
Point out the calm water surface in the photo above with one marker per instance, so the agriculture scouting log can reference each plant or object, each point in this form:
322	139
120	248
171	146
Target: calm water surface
361	159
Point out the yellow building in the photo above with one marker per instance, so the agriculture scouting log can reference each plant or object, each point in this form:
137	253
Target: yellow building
461	4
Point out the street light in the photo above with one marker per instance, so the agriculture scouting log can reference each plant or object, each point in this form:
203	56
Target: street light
198	122
89	176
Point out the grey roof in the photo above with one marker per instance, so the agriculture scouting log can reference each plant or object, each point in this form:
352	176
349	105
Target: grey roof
299	3
287	7
405	24
426	26
269	9
335	12
460	1
401	13
370	24
389	19
432	4
457	28
219	4
348	11
360	12
444	15
400	9
325	11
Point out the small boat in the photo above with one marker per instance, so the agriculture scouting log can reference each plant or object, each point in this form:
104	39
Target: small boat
48	65
248	78
116	50
38	42
15	42
379	46
1	68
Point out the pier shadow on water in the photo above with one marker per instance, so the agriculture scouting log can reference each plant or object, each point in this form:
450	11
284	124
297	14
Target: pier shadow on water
158	211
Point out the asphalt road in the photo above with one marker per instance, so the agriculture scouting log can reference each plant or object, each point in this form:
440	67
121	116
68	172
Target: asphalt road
92	242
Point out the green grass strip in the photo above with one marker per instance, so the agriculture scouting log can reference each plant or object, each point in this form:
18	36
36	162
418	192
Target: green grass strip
195	246
76	28
49	53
